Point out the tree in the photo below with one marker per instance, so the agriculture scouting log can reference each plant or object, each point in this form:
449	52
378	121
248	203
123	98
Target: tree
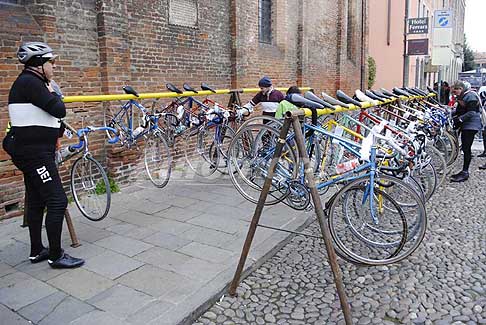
371	72
468	57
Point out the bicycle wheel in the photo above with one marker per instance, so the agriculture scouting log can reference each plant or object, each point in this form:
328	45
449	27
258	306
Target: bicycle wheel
197	150
357	235
409	202
225	135
250	155
157	159
451	147
438	161
90	188
427	178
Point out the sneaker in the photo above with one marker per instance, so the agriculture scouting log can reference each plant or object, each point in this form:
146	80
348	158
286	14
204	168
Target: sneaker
482	155
42	256
66	262
482	167
461	177
456	174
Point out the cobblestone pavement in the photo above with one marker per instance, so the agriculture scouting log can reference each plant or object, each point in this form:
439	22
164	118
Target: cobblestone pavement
443	282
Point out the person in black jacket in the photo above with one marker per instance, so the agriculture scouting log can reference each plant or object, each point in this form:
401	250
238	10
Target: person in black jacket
34	110
467	120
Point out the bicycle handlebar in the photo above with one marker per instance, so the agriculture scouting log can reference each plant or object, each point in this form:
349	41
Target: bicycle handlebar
89	129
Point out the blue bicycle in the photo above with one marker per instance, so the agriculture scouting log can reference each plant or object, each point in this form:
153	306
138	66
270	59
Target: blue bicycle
90	186
136	126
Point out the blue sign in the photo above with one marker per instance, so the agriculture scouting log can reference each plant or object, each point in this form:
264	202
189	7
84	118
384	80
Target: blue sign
443	19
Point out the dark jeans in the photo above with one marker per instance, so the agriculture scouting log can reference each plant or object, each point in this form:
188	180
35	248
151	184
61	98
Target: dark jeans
467	138
43	189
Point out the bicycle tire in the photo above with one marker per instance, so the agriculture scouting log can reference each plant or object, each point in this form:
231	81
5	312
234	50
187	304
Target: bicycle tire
199	157
159	165
410	203
439	162
355	242
97	185
250	154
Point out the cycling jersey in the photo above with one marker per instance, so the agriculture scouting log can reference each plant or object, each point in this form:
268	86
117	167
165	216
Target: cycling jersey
34	111
268	101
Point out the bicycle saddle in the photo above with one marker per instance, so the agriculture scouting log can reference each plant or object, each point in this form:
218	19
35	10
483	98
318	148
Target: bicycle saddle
300	101
204	86
400	92
373	96
173	88
411	91
362	97
341	95
431	90
386	92
419	91
311	96
129	90
331	100
380	94
188	88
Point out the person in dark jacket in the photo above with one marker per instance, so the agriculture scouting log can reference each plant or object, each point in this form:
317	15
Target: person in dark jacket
467	121
35	111
267	97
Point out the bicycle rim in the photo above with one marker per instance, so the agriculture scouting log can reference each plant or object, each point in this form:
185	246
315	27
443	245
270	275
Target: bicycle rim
157	159
90	188
250	155
199	156
357	235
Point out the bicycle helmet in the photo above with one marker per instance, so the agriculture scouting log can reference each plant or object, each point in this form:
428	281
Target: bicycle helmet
34	53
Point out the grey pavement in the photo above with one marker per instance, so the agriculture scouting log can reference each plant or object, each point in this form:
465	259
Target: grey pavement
162	256
443	282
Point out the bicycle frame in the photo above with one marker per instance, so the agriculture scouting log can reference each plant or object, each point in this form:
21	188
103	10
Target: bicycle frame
127	110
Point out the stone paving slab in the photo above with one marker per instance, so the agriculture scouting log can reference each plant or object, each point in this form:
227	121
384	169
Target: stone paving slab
157	258
24	291
112	265
81	283
123	245
121	300
9	317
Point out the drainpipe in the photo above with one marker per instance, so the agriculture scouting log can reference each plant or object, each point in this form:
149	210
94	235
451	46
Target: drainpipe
363	84
405	56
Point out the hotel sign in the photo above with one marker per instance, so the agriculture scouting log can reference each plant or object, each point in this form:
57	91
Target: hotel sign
418	25
418	46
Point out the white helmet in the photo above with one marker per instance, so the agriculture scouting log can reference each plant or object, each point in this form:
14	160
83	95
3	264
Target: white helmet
34	53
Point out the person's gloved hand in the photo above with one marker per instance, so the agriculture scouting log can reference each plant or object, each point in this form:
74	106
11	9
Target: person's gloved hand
249	107
456	122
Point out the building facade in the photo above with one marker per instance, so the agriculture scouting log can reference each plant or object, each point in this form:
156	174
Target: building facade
387	27
105	44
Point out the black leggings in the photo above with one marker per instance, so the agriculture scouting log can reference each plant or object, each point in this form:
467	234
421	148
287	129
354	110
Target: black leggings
467	138
43	188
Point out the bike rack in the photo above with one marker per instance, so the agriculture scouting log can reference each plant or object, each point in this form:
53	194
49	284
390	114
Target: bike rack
293	118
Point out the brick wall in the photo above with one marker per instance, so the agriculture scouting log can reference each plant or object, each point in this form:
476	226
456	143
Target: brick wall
106	44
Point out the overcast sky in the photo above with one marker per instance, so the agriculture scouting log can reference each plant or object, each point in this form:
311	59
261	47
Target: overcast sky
474	24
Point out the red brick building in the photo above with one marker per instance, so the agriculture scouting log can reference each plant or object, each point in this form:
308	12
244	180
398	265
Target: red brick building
106	44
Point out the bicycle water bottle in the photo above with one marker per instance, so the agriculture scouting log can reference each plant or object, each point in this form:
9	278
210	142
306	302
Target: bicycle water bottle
65	153
137	131
195	121
180	111
347	166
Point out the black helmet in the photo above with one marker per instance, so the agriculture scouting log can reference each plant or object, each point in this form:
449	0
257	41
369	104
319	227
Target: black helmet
34	53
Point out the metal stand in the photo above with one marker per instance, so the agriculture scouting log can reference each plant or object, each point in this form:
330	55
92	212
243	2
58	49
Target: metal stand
292	117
